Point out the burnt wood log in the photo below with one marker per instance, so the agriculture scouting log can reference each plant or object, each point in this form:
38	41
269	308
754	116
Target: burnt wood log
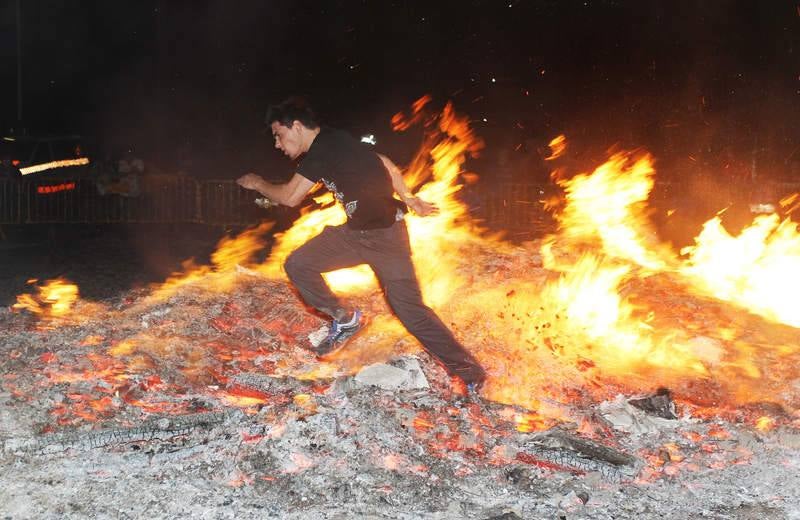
659	404
565	460
576	453
156	429
266	384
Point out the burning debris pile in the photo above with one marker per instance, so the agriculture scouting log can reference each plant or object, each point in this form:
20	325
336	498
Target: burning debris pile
625	380
208	404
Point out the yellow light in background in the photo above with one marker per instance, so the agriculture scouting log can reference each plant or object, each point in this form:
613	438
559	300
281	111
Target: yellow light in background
36	168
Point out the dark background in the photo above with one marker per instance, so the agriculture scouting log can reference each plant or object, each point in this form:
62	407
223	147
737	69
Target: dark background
185	83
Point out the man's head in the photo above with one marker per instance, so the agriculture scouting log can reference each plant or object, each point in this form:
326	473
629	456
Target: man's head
294	126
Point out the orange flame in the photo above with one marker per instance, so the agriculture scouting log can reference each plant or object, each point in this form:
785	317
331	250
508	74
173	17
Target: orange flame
230	253
606	209
765	423
757	270
558	146
55	299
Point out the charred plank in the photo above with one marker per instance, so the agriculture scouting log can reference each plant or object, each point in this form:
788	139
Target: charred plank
152	430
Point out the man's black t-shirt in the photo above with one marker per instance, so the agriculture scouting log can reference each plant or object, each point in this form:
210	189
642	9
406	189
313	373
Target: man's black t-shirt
356	177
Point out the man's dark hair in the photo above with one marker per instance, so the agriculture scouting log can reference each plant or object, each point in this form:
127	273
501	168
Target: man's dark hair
291	110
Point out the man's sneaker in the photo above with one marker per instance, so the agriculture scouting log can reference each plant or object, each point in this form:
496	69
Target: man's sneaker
474	388
473	377
339	333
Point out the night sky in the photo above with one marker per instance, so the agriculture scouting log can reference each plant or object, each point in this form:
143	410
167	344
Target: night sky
186	83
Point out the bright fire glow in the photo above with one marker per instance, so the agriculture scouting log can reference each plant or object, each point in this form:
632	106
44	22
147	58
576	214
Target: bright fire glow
606	209
231	253
558	146
602	306
55	298
757	269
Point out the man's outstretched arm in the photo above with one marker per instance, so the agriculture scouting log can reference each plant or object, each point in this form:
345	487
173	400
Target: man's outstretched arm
290	194
419	206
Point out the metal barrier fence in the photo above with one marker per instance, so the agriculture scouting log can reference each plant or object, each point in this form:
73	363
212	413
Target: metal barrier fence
10	202
515	207
225	202
168	199
152	199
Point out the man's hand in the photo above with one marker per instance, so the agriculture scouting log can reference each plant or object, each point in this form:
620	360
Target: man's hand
421	207
250	181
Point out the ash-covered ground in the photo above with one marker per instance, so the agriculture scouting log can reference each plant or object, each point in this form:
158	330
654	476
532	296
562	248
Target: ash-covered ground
207	404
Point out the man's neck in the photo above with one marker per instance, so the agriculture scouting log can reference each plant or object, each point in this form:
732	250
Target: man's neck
310	135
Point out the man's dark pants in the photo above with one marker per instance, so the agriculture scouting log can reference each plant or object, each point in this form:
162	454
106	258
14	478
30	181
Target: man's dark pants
388	253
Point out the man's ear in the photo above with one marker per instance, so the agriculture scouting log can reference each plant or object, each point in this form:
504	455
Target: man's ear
297	125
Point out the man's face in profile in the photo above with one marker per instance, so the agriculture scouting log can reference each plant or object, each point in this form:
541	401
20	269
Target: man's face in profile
288	139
